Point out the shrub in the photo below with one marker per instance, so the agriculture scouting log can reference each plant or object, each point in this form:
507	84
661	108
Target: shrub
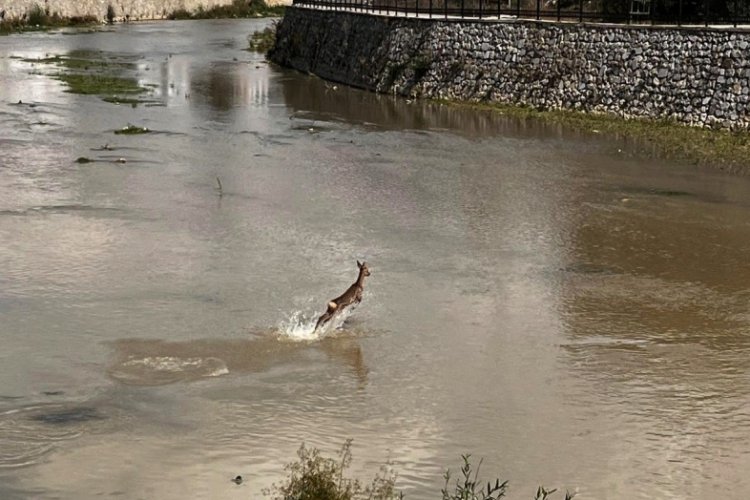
36	16
110	14
313	477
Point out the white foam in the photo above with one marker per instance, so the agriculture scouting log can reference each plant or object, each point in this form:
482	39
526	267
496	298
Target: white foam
151	370
300	326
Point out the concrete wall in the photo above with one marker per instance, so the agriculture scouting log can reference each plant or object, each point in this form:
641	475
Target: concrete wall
696	76
136	9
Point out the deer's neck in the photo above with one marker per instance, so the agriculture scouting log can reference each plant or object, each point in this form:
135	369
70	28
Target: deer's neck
360	280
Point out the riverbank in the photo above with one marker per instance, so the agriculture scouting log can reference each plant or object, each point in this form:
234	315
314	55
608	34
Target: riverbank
28	15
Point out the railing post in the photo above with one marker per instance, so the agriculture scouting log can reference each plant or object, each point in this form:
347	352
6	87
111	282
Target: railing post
498	10
537	9
580	11
518	8
480	9
558	11
705	4
463	2
430	9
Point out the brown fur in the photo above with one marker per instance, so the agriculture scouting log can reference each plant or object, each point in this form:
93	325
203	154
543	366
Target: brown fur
352	295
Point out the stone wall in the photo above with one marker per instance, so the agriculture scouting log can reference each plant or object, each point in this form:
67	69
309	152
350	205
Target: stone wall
134	9
696	76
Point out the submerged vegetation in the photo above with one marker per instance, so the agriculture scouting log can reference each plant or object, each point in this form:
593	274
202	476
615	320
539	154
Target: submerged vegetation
313	477
95	73
237	9
37	18
725	149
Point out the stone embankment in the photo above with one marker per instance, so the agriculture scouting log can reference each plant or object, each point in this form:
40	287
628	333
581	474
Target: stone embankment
695	76
132	10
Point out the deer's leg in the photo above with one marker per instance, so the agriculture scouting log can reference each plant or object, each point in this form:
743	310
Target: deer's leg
326	316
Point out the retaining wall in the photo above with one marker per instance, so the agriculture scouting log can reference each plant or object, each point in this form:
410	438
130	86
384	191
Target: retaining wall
696	76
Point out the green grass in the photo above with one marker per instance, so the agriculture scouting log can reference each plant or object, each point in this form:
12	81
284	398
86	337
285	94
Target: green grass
237	9
728	150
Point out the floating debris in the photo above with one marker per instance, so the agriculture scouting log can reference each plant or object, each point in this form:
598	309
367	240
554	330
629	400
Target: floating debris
132	129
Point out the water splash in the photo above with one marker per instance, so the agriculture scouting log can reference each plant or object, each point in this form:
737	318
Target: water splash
301	326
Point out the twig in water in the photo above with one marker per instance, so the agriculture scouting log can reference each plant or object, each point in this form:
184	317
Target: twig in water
221	190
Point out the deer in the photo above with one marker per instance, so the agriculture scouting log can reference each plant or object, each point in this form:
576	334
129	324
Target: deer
352	295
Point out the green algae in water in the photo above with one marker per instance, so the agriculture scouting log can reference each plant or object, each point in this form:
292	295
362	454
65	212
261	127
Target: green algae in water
103	85
80	62
130	101
95	73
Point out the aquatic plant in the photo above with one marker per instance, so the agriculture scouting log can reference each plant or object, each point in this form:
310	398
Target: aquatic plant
94	73
132	130
264	40
87	83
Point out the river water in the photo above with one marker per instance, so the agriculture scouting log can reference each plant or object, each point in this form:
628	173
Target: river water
566	306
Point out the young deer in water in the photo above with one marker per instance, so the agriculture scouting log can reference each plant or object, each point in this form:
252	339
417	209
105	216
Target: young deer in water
352	295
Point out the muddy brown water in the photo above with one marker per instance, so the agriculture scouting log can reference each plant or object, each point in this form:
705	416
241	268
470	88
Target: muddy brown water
559	304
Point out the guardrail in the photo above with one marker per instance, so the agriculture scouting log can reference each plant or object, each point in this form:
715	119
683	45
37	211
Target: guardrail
656	12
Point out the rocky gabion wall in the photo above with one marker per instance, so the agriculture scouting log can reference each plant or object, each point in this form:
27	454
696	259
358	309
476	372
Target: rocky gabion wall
123	9
696	76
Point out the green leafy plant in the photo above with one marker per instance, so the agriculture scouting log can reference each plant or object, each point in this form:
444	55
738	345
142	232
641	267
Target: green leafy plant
313	477
470	488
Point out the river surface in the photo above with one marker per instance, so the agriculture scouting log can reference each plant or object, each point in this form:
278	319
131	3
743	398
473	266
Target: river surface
566	306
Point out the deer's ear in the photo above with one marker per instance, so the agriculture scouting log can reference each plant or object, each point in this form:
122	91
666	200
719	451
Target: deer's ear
359	264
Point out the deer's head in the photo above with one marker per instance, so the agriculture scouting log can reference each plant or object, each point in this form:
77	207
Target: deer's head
363	269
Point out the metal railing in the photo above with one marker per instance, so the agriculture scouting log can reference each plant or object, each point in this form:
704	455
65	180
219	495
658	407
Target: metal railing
650	12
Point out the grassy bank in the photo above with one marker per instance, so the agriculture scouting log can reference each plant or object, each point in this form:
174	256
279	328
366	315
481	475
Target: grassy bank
723	149
237	9
37	19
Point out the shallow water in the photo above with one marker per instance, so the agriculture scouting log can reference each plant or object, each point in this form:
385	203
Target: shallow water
561	304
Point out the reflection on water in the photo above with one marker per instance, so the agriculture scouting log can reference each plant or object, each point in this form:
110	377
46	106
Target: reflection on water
574	315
